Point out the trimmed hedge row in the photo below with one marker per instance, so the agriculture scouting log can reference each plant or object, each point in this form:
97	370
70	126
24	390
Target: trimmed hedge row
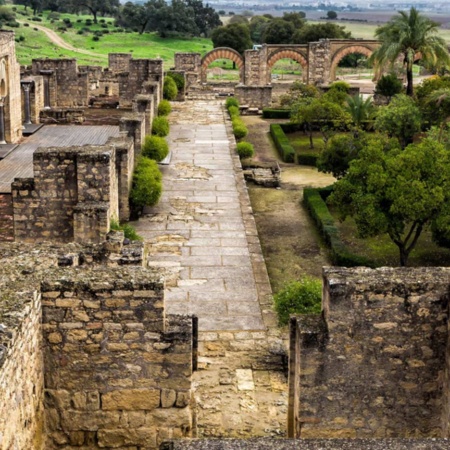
307	159
282	144
270	113
318	210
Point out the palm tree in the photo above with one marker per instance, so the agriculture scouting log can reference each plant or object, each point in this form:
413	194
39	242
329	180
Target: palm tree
359	109
406	36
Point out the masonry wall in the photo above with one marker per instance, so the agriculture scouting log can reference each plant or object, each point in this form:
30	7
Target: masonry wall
6	218
117	370
374	366
254	96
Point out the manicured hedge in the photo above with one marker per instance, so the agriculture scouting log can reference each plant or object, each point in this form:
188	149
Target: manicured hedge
239	128
307	159
245	150
318	210
270	113
285	149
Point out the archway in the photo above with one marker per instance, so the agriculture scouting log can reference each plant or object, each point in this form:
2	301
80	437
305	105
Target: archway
287	54
222	53
359	49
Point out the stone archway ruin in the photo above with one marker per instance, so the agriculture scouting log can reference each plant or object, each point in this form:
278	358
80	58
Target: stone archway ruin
287	53
336	59
221	53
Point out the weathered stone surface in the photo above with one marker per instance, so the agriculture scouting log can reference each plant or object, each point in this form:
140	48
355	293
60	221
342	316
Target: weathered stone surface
131	399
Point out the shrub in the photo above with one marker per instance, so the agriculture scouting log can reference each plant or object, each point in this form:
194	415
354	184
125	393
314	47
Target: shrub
6	15
36	19
170	90
299	297
388	86
270	113
245	150
53	15
88	22
26	24
129	231
178	78
307	159
147	186
155	147
160	126
231	101
104	25
239	128
282	144
341	86
66	20
96	38
164	108
13	24
233	111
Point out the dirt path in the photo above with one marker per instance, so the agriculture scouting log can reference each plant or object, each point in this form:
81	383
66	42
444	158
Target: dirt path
288	237
59	41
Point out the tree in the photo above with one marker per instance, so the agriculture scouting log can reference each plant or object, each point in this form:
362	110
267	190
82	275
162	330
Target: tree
299	91
396	192
295	18
175	19
433	99
206	18
332	15
360	110
314	32
238	18
408	35
388	86
96	7
401	119
279	31
138	16
257	26
235	36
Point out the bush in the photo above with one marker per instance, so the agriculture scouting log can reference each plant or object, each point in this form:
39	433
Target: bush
298	297
324	221
231	101
147	186
160	126
245	150
270	113
178	78
388	86
164	108
66	20
88	22
282	144
307	159
170	90
129	231
36	19
96	38
155	147
6	15
233	111
239	128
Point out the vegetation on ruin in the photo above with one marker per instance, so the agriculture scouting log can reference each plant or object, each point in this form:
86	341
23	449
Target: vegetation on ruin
170	90
155	147
160	126
164	108
299	297
129	231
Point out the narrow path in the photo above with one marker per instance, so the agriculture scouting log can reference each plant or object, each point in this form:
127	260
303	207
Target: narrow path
203	233
59	41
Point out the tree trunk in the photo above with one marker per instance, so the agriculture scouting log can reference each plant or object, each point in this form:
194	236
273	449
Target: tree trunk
409	81
403	256
311	142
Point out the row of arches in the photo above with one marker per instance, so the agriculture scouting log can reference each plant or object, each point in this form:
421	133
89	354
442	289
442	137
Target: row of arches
223	53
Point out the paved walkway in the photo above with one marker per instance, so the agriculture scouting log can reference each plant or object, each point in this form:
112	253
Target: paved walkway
204	234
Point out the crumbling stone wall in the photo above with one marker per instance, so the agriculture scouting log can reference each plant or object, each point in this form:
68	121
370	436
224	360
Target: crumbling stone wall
376	363
254	96
74	193
10	87
117	370
68	86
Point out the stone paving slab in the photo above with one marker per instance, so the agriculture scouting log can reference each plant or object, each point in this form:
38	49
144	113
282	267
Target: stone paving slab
199	230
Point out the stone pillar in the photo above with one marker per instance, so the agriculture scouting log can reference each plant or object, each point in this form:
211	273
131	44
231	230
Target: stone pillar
26	86
144	104
47	74
133	124
319	62
2	121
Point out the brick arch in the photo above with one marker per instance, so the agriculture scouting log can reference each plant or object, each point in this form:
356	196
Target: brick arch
291	54
222	53
344	52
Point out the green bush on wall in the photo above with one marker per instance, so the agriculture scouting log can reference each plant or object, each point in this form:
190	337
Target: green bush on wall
299	297
129	231
155	147
245	150
239	128
170	90
160	126
147	184
164	108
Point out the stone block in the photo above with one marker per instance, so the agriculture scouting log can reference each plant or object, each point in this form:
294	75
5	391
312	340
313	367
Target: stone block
115	438
131	399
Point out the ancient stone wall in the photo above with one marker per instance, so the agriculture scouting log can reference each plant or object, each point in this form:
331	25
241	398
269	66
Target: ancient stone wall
254	72
374	366
119	62
36	98
74	193
10	87
133	124
190	64
254	96
6	218
117	370
68	87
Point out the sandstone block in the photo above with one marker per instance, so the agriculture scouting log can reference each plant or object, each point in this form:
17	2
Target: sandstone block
168	398
115	438
131	399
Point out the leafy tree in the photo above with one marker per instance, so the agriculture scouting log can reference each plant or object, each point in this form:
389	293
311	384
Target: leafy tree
396	192
401	119
332	15
299	91
314	32
295	18
206	18
322	114
279	31
175	19
433	99
235	36
360	110
257	26
135	15
406	35
388	86
95	7
238	18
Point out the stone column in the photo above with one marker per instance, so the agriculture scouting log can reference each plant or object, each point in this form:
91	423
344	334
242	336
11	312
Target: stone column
26	85
2	120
